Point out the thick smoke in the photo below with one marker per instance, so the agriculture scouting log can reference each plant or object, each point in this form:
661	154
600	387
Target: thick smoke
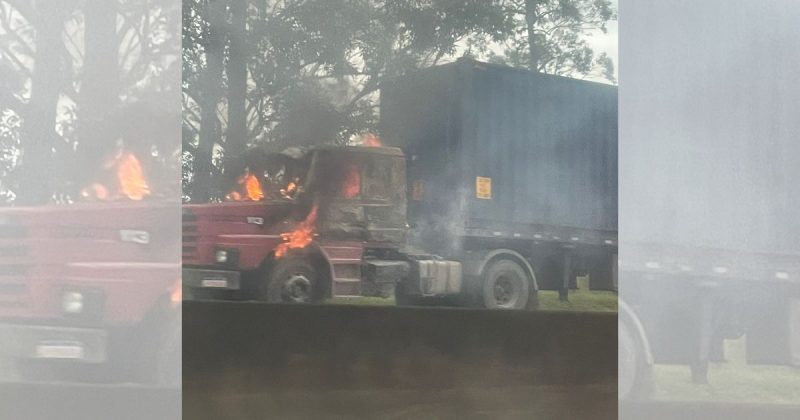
709	160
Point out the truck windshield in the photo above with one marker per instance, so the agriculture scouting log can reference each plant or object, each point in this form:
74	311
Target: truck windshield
338	174
368	177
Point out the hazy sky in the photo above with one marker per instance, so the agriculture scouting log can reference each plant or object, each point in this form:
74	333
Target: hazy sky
708	101
607	43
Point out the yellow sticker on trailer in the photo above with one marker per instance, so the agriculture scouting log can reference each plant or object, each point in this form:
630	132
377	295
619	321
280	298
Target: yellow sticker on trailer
483	187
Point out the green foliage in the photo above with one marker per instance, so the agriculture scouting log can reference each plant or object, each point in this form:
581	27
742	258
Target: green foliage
579	301
550	36
733	380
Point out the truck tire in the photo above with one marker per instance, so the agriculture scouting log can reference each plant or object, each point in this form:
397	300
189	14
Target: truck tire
292	280
506	285
635	374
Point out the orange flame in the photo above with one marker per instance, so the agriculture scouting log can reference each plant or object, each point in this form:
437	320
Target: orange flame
290	189
251	189
352	182
300	237
176	294
371	140
131	182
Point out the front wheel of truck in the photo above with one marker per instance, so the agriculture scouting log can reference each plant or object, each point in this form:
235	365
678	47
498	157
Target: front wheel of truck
292	280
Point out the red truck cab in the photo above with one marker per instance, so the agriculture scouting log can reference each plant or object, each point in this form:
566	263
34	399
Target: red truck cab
324	211
90	292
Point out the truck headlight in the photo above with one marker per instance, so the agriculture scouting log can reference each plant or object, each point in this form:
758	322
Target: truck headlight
221	256
72	302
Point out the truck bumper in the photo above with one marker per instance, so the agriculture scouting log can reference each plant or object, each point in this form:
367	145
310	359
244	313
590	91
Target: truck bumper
87	345
211	279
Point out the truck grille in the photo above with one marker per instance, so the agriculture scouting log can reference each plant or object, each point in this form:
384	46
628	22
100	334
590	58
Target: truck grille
190	234
14	266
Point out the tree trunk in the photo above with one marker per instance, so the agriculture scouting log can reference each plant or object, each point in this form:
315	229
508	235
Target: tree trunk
211	93
38	135
531	18
99	93
237	136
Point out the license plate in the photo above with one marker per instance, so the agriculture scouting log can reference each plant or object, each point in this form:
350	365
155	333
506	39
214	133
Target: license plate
218	283
59	351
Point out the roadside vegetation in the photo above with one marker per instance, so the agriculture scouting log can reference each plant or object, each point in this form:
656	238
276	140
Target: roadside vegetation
732	380
580	299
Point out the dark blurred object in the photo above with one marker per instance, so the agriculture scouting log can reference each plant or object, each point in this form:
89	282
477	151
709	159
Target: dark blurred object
337	361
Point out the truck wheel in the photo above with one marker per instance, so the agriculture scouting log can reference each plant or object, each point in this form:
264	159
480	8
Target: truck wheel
635	374
506	286
292	280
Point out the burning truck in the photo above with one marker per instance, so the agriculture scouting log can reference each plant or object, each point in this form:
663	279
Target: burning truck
90	291
500	182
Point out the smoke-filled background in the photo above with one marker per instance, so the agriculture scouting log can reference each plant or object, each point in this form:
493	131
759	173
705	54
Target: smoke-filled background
710	157
709	134
278	73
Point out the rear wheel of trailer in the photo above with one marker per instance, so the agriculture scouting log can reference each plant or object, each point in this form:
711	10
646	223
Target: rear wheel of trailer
506	285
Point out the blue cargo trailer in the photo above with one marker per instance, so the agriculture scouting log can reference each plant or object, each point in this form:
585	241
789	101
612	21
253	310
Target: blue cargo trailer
504	158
